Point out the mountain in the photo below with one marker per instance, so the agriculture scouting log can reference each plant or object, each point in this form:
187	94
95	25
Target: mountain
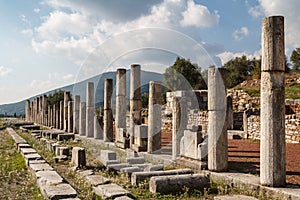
80	89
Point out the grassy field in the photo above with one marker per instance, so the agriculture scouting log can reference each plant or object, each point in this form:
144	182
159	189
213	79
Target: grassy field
16	181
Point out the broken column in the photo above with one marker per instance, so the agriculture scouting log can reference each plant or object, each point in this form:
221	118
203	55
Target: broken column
272	113
98	133
217	123
120	119
229	116
82	121
135	100
154	116
179	122
27	111
108	117
70	116
76	105
61	115
90	109
67	98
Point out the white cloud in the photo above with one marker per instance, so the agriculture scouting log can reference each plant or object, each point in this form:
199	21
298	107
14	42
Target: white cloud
240	33
199	16
37	10
227	56
27	32
4	71
24	19
290	10
255	11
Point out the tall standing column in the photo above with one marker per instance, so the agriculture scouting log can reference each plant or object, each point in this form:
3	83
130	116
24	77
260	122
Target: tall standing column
61	115
54	115
67	98
45	105
135	100
272	113
90	109
27	111
120	120
32	111
70	116
217	123
108	117
57	116
82	121
76	114
154	117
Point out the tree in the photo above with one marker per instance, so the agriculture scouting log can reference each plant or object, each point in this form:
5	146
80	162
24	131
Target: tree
55	98
183	75
295	59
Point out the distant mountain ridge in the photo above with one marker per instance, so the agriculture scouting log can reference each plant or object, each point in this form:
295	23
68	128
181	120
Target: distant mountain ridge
80	89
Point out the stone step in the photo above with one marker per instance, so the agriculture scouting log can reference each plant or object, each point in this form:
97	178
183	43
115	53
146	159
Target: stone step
60	191
32	156
177	183
96	180
48	178
138	177
110	191
22	146
136	160
40	167
234	197
25	151
117	167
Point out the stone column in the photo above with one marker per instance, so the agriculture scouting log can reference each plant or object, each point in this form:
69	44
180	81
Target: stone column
135	100
45	105
154	117
272	103
61	115
49	116
82	121
179	122
67	98
229	113
76	114
27	111
108	117
32	111
98	134
90	109
37	110
245	124
217	123
54	115
57	116
120	120
70	116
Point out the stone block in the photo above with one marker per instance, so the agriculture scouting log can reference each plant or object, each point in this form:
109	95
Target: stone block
108	155
117	167
66	136
25	151
48	178
96	180
54	146
78	157
234	197
136	160
138	177
60	191
110	162
123	198
191	141
62	151
32	156
177	183
154	168
202	151
131	153
21	146
130	170
36	162
140	131
40	167
142	166
110	191
86	173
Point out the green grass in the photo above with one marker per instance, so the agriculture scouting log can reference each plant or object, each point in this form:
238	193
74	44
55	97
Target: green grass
16	181
293	91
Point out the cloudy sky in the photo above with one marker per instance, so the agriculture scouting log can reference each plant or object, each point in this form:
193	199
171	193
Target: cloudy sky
46	44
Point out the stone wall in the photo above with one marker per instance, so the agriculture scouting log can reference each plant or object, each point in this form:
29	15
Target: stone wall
292	128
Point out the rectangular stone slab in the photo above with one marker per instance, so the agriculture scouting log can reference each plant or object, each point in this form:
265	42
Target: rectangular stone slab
40	167
48	177
96	180
60	191
136	160
32	156
117	167
25	151
138	177
234	197
21	146
110	191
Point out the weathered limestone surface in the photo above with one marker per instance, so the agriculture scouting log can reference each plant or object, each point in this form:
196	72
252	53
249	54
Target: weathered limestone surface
27	111
217	123
272	145
96	180
154	117
78	157
61	115
60	191
90	109
136	160
67	98
135	100
70	116
110	191
98	133
108	116
234	197
177	183
138	177
40	167
117	167
82	117
48	178
76	106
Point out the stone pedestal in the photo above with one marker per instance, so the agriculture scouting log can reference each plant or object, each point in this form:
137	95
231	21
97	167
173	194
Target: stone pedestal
135	100
67	98
98	133
90	109
78	157
76	114
272	113
217	122
108	117
140	142
82	121
154	117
